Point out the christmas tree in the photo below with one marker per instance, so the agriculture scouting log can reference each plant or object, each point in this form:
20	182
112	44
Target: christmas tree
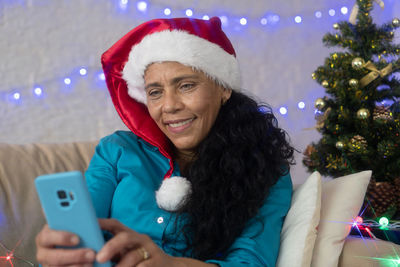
359	118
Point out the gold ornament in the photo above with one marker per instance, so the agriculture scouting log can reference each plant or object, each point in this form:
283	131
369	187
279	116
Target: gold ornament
313	76
325	83
339	145
320	103
357	63
353	83
363	114
336	26
396	22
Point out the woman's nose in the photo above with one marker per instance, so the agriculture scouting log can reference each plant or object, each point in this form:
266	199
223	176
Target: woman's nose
171	102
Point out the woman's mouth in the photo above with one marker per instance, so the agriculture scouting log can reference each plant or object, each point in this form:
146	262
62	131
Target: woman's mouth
177	127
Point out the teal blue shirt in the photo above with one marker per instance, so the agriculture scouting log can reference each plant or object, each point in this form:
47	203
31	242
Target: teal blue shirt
123	176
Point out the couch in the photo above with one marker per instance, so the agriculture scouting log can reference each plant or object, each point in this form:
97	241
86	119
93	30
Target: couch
21	216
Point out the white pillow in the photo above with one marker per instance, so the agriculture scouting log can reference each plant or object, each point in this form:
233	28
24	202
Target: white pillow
341	202
299	228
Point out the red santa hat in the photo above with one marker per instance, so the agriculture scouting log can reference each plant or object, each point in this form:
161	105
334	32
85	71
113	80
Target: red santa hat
200	44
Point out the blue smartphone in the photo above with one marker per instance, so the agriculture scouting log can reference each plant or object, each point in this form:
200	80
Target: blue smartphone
67	206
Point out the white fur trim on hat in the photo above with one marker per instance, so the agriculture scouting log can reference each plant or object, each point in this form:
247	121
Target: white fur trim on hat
173	193
182	47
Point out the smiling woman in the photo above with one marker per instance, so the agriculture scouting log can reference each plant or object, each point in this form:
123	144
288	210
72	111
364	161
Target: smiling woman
202	177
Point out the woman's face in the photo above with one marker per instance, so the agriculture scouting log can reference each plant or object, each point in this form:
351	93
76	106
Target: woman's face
184	103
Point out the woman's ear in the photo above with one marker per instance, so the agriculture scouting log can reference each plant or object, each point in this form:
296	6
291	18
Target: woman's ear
226	94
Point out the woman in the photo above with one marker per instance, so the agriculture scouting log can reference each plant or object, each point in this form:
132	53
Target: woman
175	83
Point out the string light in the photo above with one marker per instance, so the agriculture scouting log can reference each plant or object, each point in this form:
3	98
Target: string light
67	81
264	21
189	12
297	19
318	14
206	17
283	110
142	6
301	105
38	91
16	96
344	10
224	20
83	71
167	11
243	21
123	4
332	12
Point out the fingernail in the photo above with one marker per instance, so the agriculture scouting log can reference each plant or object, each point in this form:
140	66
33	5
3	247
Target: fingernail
74	240
89	255
100	256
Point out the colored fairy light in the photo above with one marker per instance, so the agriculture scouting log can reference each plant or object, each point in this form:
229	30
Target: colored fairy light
301	105
243	21
167	11
318	14
283	110
17	96
384	221
83	71
224	20
297	19
142	6
264	21
124	2
67	81
344	10
332	12
38	91
189	12
358	221
206	17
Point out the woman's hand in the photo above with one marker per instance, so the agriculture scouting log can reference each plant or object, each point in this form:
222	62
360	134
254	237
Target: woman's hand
131	248
48	255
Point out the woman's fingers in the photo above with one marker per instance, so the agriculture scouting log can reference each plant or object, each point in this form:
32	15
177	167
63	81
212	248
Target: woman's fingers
51	238
112	225
134	256
62	257
48	255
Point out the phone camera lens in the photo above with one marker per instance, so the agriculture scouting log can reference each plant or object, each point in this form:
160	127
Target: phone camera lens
65	204
61	194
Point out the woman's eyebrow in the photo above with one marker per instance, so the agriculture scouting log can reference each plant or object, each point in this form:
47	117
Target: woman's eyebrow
183	77
173	81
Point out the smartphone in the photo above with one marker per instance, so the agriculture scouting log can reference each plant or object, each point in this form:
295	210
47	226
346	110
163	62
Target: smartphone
67	206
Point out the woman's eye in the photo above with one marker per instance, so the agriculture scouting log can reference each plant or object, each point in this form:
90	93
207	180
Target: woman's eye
187	86
154	93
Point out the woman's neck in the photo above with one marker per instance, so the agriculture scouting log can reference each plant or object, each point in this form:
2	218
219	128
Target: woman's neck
184	159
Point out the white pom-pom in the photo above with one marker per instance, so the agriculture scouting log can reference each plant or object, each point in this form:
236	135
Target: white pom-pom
173	193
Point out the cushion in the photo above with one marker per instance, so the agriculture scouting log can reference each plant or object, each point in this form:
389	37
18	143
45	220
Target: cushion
365	252
299	228
341	202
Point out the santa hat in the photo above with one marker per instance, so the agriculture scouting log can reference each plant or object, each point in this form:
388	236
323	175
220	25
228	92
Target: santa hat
200	44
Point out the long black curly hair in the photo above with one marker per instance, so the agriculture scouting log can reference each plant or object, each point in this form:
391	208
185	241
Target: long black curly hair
235	166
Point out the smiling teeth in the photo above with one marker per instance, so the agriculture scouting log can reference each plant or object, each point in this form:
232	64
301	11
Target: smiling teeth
180	123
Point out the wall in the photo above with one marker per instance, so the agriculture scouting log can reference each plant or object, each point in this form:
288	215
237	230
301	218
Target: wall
43	41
